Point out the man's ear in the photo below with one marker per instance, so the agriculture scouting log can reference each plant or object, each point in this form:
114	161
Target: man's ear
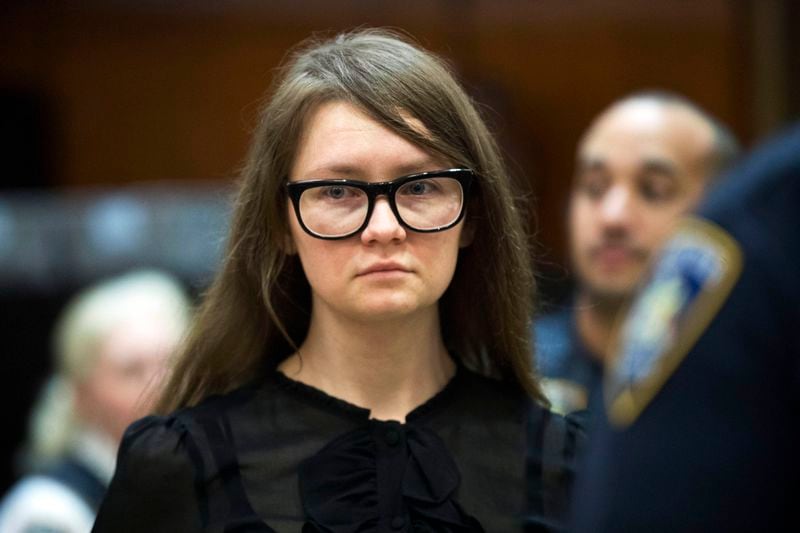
467	234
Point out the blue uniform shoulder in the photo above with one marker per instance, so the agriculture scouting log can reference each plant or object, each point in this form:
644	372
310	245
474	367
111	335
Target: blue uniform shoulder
554	342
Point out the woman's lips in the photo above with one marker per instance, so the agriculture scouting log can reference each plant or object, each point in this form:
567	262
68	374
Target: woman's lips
384	270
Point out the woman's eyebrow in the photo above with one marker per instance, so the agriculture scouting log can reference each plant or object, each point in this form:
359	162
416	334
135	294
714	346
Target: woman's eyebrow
346	170
423	165
339	169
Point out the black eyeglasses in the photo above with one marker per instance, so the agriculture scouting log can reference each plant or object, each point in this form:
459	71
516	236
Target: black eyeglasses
424	202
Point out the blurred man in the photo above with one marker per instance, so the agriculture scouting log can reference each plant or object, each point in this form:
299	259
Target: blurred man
643	162
702	393
110	346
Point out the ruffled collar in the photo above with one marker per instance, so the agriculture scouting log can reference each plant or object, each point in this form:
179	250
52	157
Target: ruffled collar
330	403
383	475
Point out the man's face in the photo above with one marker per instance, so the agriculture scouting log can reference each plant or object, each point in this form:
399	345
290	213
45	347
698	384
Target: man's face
641	165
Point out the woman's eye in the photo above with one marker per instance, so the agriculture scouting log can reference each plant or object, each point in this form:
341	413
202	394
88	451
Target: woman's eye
335	192
418	188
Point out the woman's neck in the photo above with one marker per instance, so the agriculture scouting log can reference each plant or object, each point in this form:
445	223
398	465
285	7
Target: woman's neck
389	367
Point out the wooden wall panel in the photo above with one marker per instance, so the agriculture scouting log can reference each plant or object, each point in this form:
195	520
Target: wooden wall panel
168	90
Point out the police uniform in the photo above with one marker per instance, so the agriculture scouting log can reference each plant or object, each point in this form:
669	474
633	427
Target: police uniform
571	376
700	431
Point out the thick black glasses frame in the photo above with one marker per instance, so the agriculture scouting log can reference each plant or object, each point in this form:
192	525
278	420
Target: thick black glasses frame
373	190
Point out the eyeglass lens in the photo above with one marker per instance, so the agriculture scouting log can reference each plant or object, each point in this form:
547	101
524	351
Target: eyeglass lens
423	204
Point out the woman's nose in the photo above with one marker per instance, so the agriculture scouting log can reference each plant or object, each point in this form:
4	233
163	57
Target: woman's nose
383	225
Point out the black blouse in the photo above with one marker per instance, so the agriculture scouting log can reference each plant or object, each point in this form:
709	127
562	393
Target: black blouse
282	456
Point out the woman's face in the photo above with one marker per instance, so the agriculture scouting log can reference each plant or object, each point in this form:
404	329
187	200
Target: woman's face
386	271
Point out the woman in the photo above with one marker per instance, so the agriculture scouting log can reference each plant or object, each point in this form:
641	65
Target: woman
361	363
110	342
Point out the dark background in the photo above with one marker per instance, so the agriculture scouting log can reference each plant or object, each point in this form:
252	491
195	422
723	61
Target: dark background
155	101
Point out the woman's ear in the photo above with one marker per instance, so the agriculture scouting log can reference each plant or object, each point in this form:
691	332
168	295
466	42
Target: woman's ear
467	234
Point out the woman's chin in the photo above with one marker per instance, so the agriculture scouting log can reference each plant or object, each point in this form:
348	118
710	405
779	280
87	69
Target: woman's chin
389	309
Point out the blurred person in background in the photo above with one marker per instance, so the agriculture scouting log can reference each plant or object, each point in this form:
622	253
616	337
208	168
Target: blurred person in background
643	162
702	391
110	344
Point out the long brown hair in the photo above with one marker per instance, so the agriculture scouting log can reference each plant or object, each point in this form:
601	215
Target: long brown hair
258	308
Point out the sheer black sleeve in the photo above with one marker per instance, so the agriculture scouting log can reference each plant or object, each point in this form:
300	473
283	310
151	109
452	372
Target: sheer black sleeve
153	488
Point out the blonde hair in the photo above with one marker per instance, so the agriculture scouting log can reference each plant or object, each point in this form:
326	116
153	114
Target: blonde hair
81	328
258	308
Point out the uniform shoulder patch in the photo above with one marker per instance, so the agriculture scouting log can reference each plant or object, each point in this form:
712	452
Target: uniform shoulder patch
566	396
689	283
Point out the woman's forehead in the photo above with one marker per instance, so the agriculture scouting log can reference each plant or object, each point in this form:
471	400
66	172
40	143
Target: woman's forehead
341	140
